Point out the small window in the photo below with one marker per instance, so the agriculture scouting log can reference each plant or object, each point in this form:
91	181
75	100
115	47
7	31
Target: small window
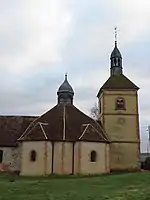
1	156
120	104
33	156
115	61
119	63
93	156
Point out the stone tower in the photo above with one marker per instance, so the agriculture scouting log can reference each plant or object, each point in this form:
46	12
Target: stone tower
118	103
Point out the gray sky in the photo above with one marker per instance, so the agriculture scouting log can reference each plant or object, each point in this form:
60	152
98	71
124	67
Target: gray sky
40	40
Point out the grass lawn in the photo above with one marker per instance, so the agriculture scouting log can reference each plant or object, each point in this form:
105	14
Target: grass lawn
115	187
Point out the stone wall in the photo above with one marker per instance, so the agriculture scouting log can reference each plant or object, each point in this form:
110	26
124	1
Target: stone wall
11	159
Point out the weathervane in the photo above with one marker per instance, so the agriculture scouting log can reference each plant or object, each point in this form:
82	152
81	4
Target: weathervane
115	34
66	75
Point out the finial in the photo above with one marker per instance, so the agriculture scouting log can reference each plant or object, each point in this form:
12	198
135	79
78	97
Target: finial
66	76
115	35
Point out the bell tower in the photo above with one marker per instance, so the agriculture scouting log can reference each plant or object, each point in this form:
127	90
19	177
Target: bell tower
118	101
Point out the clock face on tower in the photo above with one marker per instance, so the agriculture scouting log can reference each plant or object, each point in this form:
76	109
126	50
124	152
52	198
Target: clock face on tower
121	121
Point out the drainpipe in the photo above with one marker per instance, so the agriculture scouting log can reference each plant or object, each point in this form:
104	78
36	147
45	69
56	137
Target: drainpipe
52	162
45	157
73	144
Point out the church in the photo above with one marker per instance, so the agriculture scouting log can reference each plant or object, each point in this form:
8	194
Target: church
64	140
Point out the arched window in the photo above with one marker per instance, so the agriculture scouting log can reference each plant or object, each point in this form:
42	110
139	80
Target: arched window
33	156
1	156
93	156
119	63
120	103
115	61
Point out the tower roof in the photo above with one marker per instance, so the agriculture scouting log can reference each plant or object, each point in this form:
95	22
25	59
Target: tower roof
65	92
115	53
65	87
120	82
116	59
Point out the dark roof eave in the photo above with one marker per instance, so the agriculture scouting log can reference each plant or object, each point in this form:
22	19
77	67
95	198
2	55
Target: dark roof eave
67	140
35	140
8	145
101	141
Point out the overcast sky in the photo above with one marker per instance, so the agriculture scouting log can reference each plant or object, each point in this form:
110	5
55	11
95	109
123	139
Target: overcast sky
40	40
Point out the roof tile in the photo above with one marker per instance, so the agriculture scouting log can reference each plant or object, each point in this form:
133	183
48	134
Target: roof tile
12	127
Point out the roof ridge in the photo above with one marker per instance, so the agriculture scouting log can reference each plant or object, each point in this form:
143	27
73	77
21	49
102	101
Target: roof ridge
82	134
82	112
129	80
23	134
44	133
118	82
98	132
28	132
33	123
102	130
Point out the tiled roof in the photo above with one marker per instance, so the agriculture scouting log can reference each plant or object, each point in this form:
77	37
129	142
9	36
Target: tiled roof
118	82
65	122
12	127
90	133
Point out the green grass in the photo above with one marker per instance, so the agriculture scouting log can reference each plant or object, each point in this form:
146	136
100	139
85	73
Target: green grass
128	186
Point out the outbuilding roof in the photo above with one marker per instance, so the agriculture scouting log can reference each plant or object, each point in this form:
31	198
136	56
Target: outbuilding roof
12	127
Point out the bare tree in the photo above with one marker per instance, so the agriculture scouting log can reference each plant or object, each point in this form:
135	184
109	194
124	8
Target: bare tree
94	111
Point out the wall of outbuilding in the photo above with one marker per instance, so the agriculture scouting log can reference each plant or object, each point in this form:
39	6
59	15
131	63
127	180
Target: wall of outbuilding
10	159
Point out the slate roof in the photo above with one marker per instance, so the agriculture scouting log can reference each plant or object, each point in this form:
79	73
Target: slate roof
65	87
64	122
11	128
118	82
115	53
